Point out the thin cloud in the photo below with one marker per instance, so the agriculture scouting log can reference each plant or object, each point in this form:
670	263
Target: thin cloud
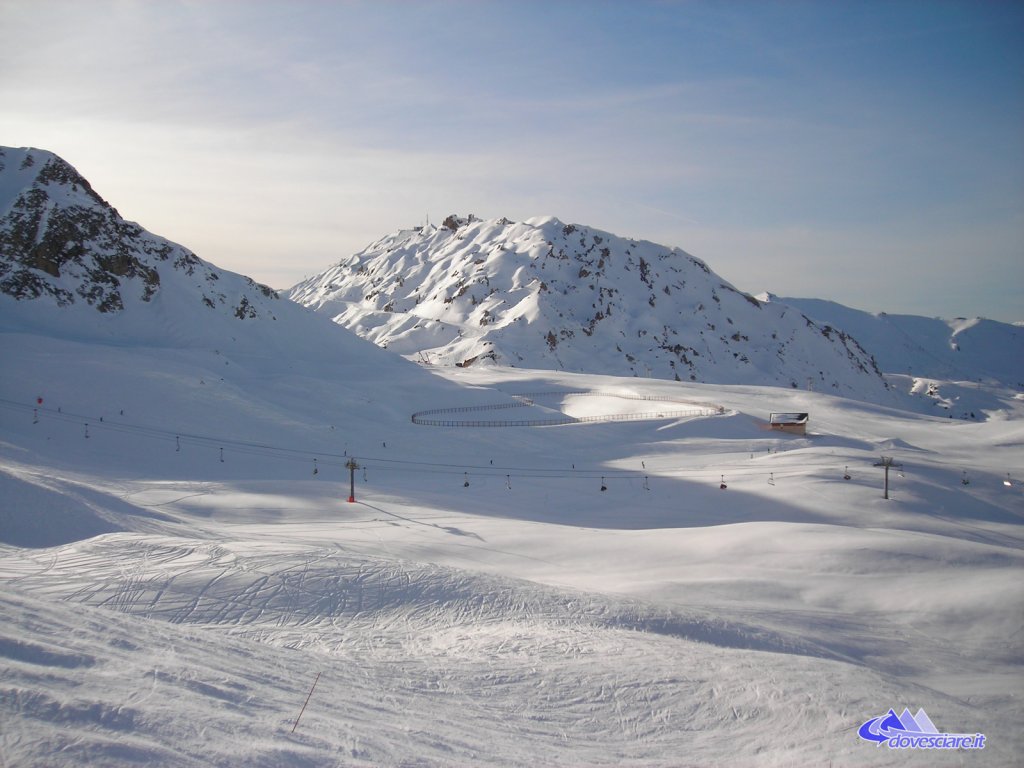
278	138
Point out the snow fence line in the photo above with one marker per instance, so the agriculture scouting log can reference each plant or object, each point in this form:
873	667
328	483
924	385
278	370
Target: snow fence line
524	400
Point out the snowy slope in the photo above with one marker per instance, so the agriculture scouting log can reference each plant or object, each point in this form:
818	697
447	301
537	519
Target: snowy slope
543	294
179	562
74	271
924	347
161	605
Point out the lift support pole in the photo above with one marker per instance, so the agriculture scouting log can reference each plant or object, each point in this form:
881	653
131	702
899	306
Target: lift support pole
887	462
352	467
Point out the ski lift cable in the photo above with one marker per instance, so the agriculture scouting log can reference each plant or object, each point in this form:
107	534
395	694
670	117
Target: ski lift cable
156	432
235	443
405	465
401	466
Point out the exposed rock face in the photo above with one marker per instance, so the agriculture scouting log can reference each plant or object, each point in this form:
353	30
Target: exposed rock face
545	294
60	239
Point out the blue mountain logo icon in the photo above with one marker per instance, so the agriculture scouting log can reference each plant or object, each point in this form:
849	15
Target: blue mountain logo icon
885	727
907	731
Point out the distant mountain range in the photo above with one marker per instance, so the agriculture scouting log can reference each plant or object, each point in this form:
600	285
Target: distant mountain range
961	349
545	294
534	294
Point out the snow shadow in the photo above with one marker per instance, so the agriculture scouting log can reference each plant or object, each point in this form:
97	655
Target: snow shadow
635	503
625	505
450	529
36	515
31	653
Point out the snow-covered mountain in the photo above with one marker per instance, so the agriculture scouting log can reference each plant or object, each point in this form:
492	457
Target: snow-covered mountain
185	582
544	294
964	349
60	240
72	269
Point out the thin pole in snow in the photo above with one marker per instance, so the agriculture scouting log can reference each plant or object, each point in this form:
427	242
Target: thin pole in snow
308	696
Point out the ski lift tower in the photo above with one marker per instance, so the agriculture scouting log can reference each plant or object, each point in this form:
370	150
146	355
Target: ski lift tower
887	462
351	466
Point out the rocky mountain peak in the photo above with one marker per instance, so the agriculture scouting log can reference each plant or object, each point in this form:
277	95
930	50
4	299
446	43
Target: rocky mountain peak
548	294
60	240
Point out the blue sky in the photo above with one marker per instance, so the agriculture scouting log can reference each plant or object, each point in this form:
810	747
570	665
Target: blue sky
864	152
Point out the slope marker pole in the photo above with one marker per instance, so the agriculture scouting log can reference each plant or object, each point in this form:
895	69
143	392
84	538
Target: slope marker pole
308	696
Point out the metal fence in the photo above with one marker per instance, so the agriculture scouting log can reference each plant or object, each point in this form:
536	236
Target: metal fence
524	400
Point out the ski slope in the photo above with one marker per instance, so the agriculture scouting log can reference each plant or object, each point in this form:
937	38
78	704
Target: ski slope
175	582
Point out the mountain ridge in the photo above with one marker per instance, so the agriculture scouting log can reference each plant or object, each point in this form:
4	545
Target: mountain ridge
957	349
59	239
546	294
536	294
187	340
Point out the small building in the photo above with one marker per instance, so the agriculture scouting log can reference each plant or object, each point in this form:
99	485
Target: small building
793	423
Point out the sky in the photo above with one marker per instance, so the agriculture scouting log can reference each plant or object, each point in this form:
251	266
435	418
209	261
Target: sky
869	153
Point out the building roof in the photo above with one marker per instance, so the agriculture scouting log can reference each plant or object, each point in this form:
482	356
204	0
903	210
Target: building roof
788	418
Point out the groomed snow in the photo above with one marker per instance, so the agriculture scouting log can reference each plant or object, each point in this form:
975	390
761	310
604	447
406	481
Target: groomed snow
162	606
